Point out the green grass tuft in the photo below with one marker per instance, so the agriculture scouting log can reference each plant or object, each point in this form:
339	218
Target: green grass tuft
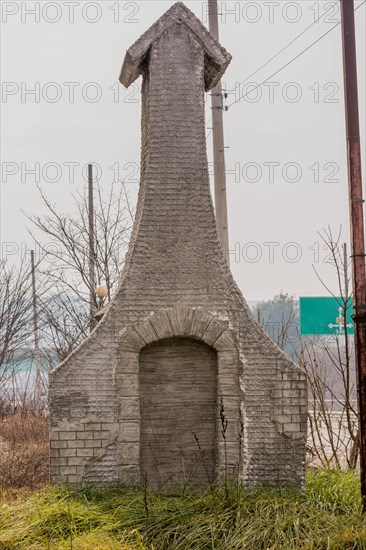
327	516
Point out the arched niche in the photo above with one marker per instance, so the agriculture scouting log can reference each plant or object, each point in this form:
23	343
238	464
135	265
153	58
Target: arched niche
186	324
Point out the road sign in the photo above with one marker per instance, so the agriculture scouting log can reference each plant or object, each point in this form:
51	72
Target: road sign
324	315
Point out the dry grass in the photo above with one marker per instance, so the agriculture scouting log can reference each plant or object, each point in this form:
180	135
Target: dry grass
24	457
327	516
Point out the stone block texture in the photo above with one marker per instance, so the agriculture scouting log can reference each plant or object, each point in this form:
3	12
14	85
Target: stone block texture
177	382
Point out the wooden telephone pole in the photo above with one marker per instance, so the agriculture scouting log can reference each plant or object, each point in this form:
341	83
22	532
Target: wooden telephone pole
356	205
37	352
218	145
92	285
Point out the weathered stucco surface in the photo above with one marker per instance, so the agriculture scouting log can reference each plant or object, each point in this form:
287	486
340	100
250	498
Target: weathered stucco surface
175	286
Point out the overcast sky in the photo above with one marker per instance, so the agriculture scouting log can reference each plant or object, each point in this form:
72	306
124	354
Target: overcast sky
286	153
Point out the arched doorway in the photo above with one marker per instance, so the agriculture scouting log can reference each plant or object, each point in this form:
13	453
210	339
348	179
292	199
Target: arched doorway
178	411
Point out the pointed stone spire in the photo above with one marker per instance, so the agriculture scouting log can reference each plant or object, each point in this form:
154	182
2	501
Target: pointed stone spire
178	59
216	57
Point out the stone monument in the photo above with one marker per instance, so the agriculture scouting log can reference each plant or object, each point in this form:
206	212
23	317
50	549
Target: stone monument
178	382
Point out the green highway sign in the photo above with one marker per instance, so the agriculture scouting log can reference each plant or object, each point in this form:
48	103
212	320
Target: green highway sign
324	315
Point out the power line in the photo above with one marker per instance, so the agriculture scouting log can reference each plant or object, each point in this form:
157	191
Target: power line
274	57
286	64
289	62
285	47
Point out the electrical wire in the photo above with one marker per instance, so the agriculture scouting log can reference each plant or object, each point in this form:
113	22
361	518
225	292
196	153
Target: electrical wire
274	57
285	47
289	62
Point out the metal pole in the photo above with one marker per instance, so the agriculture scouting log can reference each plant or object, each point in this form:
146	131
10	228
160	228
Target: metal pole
92	286
37	353
345	263
218	145
356	203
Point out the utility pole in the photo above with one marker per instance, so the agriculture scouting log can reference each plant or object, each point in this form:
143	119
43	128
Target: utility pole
345	264
37	353
356	203
92	285
218	145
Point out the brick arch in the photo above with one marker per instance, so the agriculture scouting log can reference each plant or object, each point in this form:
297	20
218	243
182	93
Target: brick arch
181	321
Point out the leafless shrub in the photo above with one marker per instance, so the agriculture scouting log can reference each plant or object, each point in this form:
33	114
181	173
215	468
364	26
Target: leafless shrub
329	364
24	457
65	314
17	348
15	314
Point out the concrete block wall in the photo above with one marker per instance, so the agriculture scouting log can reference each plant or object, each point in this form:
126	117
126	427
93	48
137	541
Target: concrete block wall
290	403
76	447
176	284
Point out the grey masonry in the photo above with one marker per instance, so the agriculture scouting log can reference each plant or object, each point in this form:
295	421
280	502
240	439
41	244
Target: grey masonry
178	382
